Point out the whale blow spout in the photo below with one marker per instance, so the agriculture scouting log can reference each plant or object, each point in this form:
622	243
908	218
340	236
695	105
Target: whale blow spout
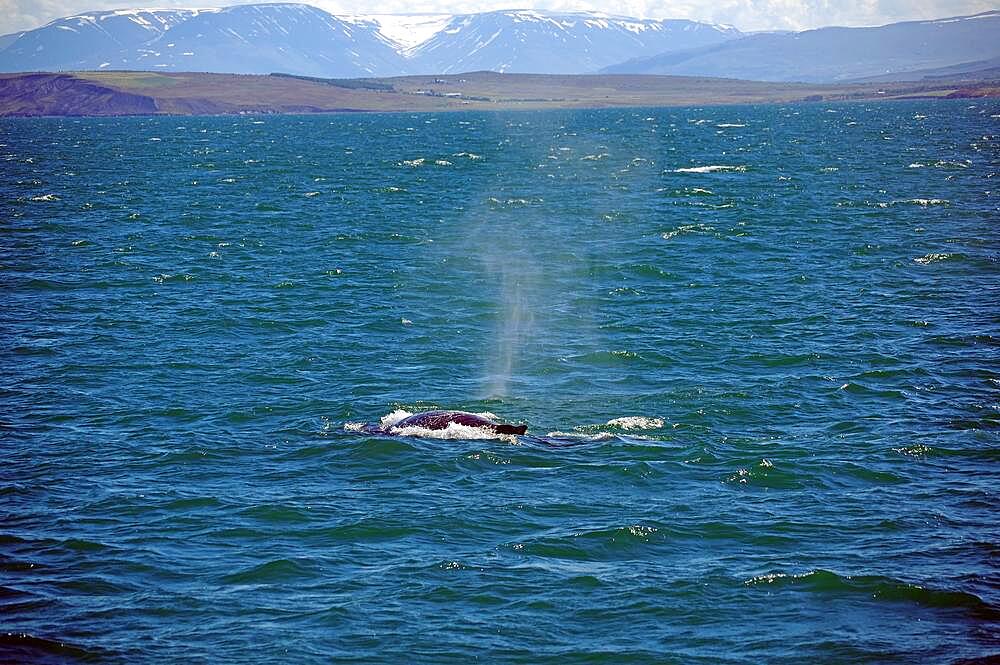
437	420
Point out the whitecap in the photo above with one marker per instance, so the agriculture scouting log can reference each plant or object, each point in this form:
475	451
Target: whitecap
926	202
952	164
730	124
688	228
45	197
636	422
714	168
918	450
933	258
769	578
599	436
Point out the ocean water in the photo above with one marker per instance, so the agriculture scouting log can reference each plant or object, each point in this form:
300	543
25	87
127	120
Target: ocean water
757	350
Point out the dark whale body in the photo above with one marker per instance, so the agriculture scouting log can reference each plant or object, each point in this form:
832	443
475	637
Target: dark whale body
441	419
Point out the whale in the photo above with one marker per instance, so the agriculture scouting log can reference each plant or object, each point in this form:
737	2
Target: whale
437	420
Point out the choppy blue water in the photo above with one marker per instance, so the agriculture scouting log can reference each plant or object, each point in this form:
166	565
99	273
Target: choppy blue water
772	333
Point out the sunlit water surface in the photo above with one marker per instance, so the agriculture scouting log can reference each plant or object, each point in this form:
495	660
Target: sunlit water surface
770	335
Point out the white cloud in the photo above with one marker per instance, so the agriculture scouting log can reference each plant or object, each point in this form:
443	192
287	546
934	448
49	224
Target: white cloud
744	14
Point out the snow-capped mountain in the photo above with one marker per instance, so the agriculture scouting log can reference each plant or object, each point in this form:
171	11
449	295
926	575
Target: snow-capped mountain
554	43
837	54
72	42
243	39
301	39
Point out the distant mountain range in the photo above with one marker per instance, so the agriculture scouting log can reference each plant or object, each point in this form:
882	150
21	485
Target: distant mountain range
567	43
304	40
301	39
838	54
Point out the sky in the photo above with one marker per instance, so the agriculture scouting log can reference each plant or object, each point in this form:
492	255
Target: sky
744	14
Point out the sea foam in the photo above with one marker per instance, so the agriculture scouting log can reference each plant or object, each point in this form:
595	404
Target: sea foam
636	422
713	168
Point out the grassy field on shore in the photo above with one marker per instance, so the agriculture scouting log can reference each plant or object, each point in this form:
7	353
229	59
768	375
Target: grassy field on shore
141	93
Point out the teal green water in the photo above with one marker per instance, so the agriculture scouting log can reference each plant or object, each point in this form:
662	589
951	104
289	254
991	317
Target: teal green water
769	333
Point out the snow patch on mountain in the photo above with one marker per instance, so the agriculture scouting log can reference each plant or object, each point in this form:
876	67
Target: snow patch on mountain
407	31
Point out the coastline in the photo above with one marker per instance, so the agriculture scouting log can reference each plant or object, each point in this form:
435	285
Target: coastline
126	93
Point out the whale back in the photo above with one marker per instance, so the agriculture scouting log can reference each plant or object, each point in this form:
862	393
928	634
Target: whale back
436	420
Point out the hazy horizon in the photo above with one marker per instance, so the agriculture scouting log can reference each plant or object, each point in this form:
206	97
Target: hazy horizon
745	15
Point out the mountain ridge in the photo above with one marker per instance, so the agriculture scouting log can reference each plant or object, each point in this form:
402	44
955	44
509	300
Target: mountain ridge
835	53
260	38
304	40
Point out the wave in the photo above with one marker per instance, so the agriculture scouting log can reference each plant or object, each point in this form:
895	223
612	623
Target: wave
601	543
688	191
273	572
513	202
580	436
922	202
421	161
608	357
25	648
936	257
636	422
765	475
942	164
689	228
714	168
877	587
925	202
